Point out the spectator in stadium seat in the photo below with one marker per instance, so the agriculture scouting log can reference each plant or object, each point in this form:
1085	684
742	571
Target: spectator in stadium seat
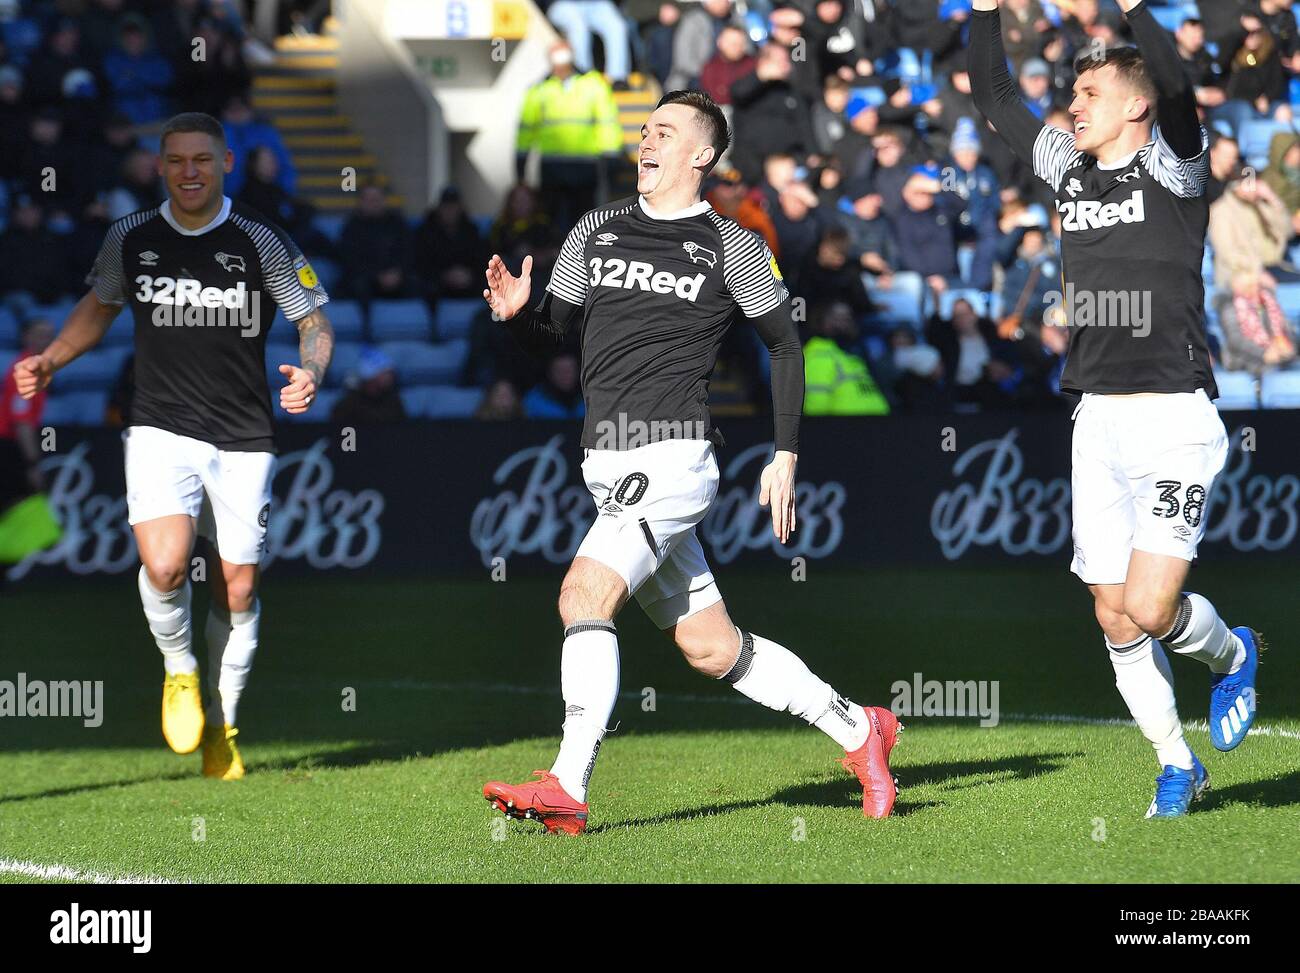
139	77
980	366
730	62
374	249
31	257
246	131
51	169
138	187
1085	24
1257	84
1202	69
108	152
830	122
1023	24
500	403
558	395
1225	166
522	227
263	192
82	242
62	54
571	121
1249	229
837	381
889	169
871	244
799	223
1279	18
659	43
828	275
100	24
770	115
1283	174
449	251
1034	271
373	397
15	121
918	379
980	192
836	33
579	19
208	84
1036	87
695	40
727	193
925	228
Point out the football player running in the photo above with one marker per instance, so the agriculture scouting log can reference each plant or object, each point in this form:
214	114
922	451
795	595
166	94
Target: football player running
653	282
1148	442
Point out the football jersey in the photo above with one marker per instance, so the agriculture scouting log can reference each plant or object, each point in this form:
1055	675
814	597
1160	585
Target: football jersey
1132	244
658	293
203	301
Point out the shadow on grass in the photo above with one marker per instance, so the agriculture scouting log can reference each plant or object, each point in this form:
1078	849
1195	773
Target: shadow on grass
1281	792
846	792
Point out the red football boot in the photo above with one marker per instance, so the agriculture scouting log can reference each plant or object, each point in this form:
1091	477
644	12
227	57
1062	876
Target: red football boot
541	800
870	762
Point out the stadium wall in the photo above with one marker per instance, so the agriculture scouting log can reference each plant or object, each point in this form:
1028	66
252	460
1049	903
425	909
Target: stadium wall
451	497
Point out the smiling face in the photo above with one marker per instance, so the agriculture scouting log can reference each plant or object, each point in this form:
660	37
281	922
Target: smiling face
675	153
193	166
1105	105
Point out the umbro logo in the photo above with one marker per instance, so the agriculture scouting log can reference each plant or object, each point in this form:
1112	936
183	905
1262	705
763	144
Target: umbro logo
148	259
605	239
699	254
1074	187
231	262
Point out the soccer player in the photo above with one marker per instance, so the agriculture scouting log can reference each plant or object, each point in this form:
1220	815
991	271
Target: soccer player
1130	187
203	278
653	282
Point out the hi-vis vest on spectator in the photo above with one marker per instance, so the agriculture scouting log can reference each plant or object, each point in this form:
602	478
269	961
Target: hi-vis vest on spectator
574	117
837	383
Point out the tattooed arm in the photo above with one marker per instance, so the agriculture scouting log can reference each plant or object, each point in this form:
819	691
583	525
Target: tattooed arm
315	348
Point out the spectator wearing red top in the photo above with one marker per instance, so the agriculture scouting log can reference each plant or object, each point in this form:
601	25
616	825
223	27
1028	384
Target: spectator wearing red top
731	62
20	421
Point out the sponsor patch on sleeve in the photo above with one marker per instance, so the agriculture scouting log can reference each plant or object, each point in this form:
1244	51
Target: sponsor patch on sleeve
776	271
306	276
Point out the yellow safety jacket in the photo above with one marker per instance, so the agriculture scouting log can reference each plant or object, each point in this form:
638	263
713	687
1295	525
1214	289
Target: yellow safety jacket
574	117
837	383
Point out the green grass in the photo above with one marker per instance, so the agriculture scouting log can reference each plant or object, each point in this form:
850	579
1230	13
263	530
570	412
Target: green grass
456	683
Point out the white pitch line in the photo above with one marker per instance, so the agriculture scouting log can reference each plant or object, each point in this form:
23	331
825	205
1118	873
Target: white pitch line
63	873
1198	725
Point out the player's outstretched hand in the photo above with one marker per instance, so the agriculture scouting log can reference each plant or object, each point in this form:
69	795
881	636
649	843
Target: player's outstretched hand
32	374
776	486
505	293
297	397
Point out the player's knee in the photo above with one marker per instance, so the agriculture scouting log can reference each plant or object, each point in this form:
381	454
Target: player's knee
578	601
1154	618
708	654
240	594
165	573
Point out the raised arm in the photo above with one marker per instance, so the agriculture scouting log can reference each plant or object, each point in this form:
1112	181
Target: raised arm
539	330
1175	96
996	93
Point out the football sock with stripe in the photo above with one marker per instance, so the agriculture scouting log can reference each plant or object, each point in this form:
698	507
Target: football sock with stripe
589	681
232	643
773	675
1143	678
1199	633
168	615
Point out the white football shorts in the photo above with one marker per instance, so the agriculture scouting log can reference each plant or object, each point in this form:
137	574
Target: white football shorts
1143	468
649	500
227	490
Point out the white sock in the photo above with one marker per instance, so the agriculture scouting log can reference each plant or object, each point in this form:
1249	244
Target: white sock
232	643
1199	633
773	675
589	681
1143	678
168	615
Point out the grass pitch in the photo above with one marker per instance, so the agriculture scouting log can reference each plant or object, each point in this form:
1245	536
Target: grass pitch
457	682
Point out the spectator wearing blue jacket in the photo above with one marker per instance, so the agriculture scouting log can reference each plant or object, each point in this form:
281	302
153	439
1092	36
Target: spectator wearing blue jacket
558	395
138	76
245	131
978	187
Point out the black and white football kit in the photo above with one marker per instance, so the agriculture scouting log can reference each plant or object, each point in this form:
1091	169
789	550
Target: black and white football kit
1148	441
201	422
653	295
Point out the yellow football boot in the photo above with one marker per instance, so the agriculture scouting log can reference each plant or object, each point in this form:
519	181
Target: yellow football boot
220	755
182	712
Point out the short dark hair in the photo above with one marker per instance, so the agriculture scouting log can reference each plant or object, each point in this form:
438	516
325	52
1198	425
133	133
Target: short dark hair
192	121
1128	64
711	117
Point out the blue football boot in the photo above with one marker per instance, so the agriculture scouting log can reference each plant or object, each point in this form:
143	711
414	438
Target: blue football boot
1232	698
1176	790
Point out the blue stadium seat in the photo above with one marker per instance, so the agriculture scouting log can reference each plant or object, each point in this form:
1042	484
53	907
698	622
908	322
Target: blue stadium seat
56	312
441	401
1293	91
1254	139
343	364
95	371
400	321
1236	390
422	363
9	330
1288	295
901	304
327	272
978	299
348	319
330	224
121	333
454	316
1170	18
277	354
1280	390
320	409
75	409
